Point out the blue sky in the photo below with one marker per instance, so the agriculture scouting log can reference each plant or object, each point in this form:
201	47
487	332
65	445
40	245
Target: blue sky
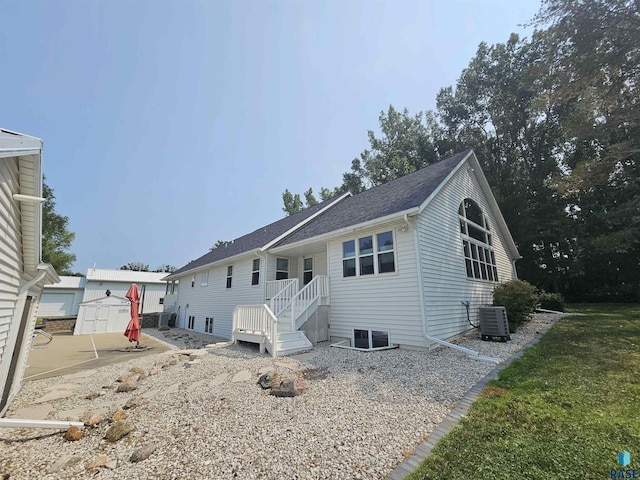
168	125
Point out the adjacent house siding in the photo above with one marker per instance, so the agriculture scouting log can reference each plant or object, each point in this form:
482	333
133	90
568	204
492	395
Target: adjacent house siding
10	254
444	276
154	292
378	302
214	299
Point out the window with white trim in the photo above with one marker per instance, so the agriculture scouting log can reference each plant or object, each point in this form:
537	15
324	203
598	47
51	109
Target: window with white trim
307	270
208	325
370	255
255	273
193	281
204	279
229	275
282	268
192	322
477	242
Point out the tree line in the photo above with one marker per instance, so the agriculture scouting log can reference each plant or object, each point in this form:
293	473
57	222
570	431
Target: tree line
555	123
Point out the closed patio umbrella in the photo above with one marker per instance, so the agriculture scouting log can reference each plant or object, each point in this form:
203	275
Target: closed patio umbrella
133	329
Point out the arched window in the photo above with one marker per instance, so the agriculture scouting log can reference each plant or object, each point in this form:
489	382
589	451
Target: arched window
477	242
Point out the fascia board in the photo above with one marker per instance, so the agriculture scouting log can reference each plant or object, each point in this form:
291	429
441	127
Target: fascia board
437	190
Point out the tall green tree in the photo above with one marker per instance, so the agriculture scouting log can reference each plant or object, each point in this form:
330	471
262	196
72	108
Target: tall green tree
405	144
136	267
56	237
598	61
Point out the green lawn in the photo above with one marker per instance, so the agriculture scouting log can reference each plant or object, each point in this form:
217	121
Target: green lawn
563	410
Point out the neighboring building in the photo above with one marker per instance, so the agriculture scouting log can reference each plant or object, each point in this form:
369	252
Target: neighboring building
103	308
62	299
22	273
393	265
151	285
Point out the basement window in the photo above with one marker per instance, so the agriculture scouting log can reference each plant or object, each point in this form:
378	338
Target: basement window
369	339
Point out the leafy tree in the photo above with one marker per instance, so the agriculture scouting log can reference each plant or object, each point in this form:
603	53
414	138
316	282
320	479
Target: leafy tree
56	238
219	243
136	267
405	145
165	268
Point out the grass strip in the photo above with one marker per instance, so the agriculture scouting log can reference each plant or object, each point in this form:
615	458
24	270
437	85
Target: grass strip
563	410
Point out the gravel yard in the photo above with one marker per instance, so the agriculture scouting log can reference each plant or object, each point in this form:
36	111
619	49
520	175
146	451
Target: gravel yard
205	416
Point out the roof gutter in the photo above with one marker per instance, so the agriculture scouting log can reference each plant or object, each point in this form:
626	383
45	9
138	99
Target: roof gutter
423	313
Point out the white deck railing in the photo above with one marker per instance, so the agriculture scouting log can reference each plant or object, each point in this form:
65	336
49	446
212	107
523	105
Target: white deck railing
256	320
280	301
312	291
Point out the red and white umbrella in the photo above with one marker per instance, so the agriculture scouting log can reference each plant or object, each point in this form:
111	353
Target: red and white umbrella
133	329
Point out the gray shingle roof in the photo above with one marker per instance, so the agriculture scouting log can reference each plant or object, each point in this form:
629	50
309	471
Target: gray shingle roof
395	196
392	197
254	240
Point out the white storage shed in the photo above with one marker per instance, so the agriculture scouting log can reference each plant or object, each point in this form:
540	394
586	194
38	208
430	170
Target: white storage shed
103	315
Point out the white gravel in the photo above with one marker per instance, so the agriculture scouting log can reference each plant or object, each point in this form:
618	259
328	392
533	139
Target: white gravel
208	418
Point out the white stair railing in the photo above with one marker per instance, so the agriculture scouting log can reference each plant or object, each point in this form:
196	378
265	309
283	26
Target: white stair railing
315	289
281	300
258	320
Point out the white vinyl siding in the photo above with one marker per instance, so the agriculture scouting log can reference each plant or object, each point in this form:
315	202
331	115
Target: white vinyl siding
444	274
319	266
10	253
153	293
387	302
59	303
216	300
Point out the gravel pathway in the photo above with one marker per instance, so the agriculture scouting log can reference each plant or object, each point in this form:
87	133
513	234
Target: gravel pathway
203	415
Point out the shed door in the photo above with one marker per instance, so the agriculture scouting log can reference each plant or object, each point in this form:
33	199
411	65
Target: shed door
102	319
89	320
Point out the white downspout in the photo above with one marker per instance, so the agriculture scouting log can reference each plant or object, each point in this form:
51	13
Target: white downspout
423	313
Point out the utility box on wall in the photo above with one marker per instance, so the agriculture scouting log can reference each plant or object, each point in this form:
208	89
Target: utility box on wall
494	323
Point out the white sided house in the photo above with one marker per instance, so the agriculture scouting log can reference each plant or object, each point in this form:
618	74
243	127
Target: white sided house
22	273
392	266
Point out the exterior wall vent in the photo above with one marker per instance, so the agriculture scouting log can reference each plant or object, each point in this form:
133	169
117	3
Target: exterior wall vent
494	323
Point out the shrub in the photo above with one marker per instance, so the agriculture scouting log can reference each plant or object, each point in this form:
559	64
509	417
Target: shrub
519	298
551	301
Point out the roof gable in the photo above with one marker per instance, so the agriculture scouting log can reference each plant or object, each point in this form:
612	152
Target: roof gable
394	197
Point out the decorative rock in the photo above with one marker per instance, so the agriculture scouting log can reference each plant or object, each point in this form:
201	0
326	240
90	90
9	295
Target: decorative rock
288	388
102	461
92	396
63	462
119	415
127	377
300	384
127	387
133	402
163	328
154	371
91	419
73	434
269	380
142	453
191	363
138	370
117	431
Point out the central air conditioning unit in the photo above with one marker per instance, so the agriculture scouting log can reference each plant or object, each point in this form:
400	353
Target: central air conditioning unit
494	323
